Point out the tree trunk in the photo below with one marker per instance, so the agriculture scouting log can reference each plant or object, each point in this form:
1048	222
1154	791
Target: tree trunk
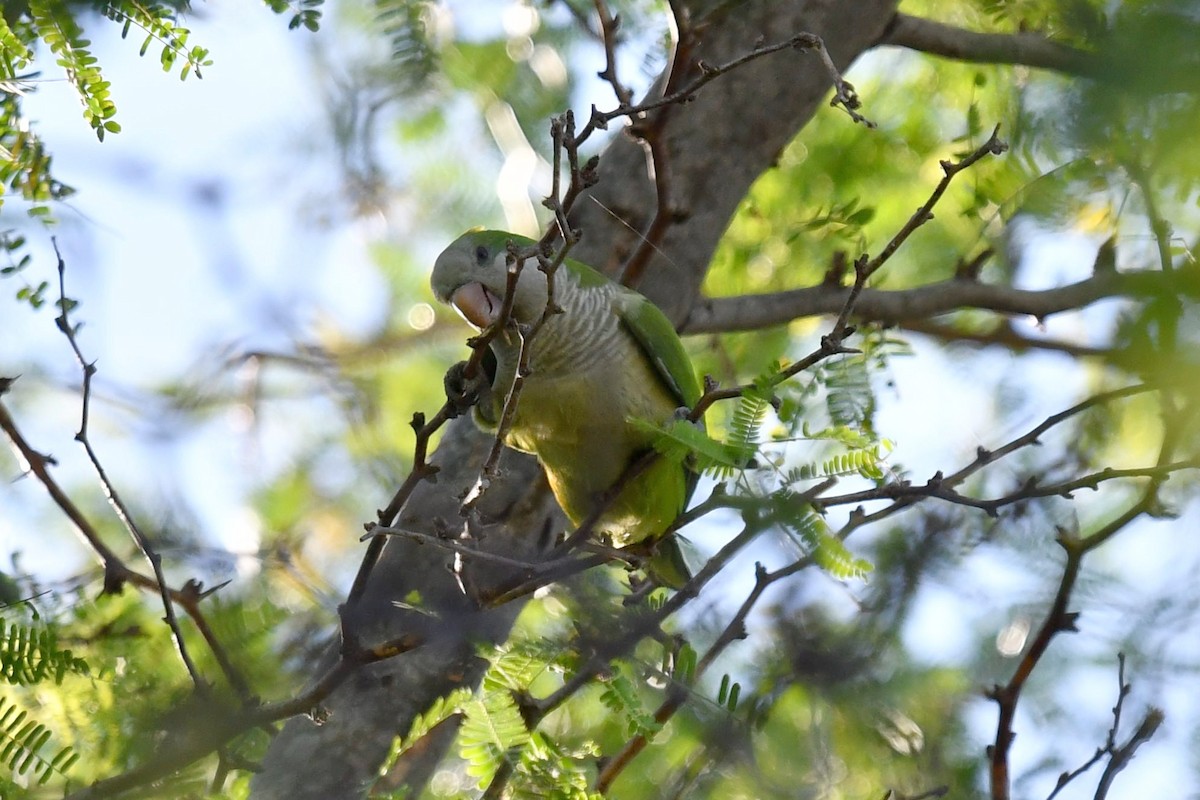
716	146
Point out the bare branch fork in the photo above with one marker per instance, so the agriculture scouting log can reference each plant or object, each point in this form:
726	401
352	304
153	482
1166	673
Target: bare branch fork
1059	620
1119	755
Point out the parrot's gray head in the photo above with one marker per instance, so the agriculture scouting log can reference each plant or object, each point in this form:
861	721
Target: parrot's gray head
472	274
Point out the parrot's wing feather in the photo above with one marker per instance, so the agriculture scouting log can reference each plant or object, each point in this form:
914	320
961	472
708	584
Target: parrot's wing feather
657	338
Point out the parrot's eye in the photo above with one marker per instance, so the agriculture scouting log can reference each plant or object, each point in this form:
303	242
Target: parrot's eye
481	255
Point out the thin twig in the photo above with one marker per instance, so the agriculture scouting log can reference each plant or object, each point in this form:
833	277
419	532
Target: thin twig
993	146
1003	335
936	488
468	551
1124	754
116	572
1058	620
1111	742
422	470
844	94
110	491
609	25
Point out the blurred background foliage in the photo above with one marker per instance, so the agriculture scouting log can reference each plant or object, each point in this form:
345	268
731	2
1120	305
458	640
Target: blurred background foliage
425	119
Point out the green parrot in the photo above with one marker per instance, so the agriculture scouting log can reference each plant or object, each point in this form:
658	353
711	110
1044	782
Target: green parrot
611	357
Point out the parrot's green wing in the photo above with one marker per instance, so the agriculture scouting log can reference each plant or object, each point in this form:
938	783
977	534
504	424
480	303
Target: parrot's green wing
655	334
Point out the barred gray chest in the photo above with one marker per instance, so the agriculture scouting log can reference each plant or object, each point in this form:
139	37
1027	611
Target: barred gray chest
586	333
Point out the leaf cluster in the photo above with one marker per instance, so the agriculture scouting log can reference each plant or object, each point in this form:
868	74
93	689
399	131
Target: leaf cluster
305	13
23	743
30	655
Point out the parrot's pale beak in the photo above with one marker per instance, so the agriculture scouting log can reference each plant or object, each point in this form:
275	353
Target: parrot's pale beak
477	304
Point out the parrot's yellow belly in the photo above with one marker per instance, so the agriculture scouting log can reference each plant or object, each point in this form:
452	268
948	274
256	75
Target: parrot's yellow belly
585	443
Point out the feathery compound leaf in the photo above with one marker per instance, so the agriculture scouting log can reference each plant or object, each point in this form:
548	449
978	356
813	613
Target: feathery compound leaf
850	400
442	709
621	695
551	770
809	531
57	28
682	440
866	463
24	741
492	733
16	56
747	421
30	654
405	22
160	25
515	666
865	455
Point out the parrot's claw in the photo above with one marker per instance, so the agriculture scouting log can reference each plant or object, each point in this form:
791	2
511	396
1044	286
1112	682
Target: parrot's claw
461	393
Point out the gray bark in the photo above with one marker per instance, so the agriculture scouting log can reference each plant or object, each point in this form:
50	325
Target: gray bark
718	145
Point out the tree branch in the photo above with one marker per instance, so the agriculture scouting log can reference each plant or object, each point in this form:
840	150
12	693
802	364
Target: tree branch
1058	620
1003	335
1027	48
753	312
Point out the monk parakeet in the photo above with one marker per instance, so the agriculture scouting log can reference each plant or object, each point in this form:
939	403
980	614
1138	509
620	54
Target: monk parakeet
611	357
